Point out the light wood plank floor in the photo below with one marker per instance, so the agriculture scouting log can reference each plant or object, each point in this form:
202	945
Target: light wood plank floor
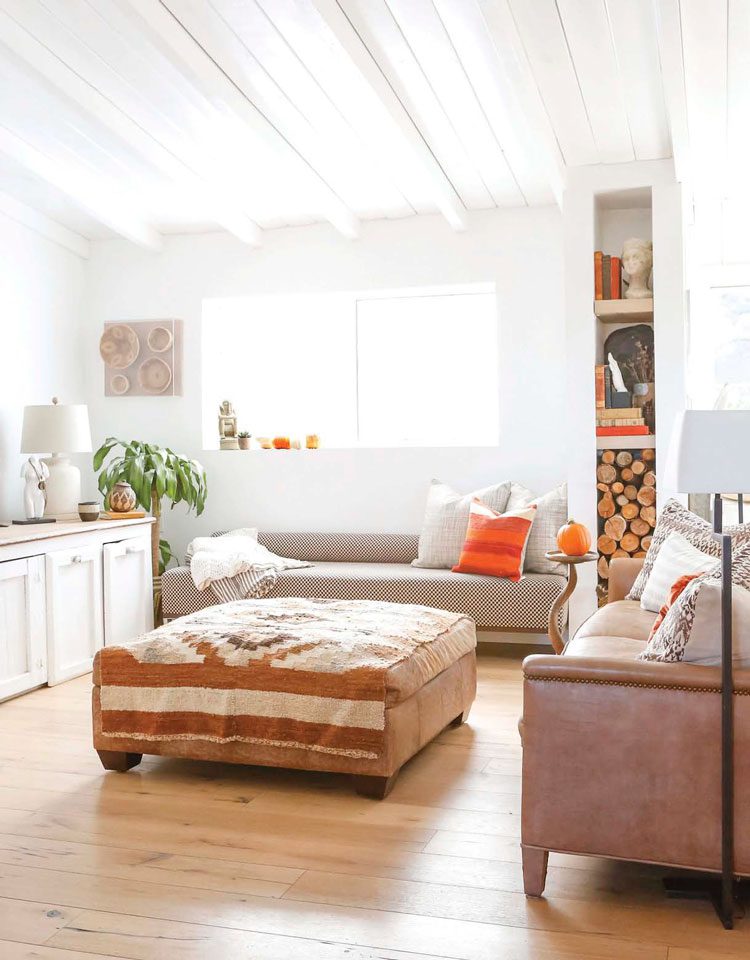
197	861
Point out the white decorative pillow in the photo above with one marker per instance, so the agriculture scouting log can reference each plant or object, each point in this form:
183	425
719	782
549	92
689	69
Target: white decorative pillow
676	558
446	520
551	514
690	631
212	543
675	518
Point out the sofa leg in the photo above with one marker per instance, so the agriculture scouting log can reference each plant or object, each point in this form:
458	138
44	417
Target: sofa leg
114	760
376	788
461	718
534	870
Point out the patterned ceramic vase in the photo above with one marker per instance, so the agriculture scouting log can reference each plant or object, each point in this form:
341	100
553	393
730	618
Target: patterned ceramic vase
122	498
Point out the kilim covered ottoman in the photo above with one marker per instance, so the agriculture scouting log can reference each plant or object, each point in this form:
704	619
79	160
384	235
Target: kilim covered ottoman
355	686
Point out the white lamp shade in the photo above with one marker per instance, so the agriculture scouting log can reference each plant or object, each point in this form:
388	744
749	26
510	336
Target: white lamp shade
56	428
710	452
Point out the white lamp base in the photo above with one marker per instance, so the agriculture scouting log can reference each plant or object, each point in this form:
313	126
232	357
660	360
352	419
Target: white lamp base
63	488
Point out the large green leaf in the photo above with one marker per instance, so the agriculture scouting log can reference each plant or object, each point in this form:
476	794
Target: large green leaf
148	467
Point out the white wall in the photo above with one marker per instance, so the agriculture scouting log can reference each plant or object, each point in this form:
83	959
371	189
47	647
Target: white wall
519	250
41	288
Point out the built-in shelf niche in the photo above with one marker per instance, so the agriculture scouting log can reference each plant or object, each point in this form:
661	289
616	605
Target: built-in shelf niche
619	216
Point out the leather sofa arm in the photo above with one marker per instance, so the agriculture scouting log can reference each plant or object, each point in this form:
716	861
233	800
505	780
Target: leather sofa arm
622	575
630	673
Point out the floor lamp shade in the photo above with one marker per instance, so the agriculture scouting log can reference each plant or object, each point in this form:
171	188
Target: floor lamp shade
60	429
710	452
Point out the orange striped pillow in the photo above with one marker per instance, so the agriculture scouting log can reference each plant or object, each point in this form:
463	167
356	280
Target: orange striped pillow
495	542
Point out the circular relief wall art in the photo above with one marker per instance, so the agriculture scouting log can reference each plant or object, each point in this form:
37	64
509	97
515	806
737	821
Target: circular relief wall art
154	375
119	346
120	384
160	339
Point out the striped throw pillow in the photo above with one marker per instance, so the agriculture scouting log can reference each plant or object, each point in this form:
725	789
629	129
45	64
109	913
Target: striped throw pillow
496	542
676	557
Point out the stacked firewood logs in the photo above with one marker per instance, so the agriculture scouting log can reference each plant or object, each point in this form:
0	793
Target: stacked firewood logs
626	485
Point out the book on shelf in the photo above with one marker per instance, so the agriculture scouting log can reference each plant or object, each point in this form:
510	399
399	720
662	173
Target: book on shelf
620	421
622	431
607	387
614	282
616	414
601	398
606	277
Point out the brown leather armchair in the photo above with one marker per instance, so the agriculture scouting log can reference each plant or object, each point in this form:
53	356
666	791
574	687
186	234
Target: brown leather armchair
621	758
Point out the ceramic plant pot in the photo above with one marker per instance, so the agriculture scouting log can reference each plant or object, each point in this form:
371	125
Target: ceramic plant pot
89	510
244	443
122	498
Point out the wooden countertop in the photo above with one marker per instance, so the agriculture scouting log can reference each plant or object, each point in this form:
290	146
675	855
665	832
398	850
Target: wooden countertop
11	536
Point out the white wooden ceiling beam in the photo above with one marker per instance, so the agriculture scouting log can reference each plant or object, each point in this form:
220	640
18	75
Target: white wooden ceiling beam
636	47
540	30
527	132
589	38
443	194
669	34
97	198
33	36
45	226
705	58
186	53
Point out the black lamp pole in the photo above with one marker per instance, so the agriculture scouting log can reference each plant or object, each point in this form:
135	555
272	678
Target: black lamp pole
727	902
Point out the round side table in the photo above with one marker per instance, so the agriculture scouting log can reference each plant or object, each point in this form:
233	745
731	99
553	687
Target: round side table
557	557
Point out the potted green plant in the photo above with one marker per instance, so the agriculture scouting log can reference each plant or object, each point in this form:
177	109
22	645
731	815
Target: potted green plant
155	473
244	439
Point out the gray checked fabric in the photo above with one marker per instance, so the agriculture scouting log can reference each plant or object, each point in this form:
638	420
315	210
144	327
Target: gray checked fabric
493	602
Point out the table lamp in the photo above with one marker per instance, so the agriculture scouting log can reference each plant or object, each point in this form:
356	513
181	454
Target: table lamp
710	453
58	427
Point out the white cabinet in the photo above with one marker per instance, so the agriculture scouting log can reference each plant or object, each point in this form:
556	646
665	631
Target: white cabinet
23	649
65	588
128	607
75	630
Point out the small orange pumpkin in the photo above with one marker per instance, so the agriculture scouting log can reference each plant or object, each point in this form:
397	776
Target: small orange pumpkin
282	443
573	539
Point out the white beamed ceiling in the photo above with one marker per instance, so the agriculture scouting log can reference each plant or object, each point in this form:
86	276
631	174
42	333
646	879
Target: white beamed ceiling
143	117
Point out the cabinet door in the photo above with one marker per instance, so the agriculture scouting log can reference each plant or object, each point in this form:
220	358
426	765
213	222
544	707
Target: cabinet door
128	607
74	611
23	653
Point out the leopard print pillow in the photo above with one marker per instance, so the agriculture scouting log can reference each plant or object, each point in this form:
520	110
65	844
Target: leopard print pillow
675	518
690	631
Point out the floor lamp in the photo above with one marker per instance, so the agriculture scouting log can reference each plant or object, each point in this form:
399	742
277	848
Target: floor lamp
710	453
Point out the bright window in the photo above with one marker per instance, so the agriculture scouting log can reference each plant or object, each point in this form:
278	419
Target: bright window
719	362
378	370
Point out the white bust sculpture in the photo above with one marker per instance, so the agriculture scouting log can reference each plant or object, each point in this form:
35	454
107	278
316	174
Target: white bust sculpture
36	474
637	260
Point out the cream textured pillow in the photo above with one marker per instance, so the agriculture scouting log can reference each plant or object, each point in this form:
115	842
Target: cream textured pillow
551	514
675	518
690	630
446	520
676	558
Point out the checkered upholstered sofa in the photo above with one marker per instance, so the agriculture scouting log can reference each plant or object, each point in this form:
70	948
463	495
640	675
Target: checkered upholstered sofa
378	567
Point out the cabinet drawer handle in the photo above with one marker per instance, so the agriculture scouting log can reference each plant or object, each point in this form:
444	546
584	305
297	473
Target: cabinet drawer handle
76	559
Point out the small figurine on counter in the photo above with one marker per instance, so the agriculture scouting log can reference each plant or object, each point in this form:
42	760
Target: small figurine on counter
228	427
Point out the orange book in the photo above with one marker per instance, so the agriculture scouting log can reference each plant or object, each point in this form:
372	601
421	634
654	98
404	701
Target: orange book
600	390
597	275
622	431
614	273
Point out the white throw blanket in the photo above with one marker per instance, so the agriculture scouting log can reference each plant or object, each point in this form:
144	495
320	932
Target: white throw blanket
235	566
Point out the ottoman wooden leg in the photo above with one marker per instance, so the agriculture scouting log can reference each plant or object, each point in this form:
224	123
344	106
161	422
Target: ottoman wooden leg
534	870
376	788
461	718
114	760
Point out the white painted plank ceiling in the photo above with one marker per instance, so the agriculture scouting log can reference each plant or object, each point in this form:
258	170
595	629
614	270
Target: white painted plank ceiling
144	117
